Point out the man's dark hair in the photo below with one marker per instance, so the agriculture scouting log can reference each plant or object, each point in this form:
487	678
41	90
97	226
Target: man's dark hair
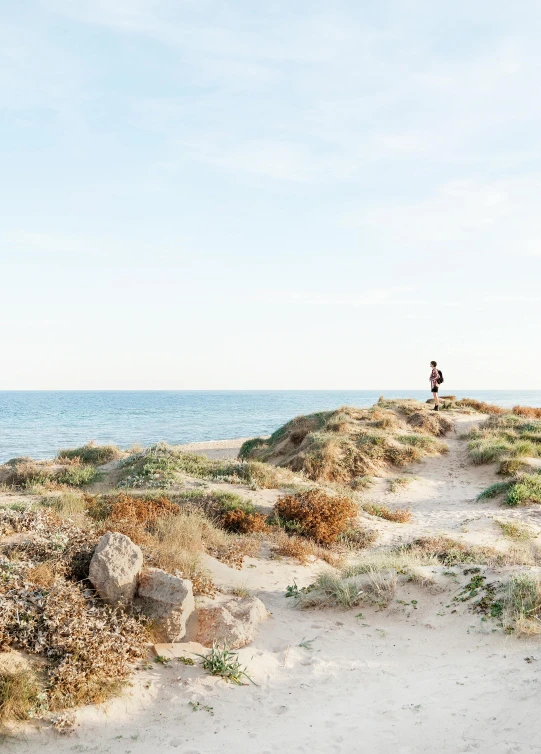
434	363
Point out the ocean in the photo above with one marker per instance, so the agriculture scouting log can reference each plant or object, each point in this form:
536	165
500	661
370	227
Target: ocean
39	423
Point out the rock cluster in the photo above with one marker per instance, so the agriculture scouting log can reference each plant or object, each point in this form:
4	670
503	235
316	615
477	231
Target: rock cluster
117	573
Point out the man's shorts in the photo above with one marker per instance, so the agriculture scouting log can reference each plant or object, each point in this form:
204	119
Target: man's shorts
435	388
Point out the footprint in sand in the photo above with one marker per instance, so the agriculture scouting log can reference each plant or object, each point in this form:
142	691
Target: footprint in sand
281	710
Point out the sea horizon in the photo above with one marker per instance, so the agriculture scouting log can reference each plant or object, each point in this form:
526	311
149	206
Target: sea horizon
38	423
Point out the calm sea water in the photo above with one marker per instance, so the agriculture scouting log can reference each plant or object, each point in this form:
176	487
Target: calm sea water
39	423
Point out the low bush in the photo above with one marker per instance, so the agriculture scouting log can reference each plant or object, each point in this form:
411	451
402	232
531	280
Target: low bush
316	514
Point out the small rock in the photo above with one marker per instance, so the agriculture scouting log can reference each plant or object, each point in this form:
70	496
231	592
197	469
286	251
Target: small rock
168	601
114	567
233	623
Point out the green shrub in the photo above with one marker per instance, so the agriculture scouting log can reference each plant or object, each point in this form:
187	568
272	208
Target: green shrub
78	475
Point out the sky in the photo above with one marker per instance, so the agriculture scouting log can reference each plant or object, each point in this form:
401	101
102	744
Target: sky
203	194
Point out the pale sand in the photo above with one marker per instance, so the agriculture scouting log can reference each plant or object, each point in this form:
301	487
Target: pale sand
219	449
402	680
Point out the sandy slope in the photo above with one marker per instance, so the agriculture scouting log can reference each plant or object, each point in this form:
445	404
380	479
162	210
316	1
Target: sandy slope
414	678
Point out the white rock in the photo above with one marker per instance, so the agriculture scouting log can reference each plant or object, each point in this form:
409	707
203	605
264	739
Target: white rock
233	623
114	567
168	601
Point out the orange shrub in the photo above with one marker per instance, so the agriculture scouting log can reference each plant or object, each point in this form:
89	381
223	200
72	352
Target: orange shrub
528	411
242	522
316	514
132	510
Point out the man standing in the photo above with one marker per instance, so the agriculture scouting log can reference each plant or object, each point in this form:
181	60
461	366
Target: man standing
434	384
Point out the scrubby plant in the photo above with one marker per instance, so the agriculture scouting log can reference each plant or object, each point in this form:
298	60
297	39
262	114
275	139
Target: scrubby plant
91	453
316	514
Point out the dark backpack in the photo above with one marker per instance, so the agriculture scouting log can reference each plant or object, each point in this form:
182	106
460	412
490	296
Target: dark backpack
440	378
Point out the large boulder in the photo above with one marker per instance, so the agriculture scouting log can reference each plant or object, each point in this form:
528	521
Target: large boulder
168	601
114	567
233	623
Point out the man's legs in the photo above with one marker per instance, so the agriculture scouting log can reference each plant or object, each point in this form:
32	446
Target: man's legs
437	402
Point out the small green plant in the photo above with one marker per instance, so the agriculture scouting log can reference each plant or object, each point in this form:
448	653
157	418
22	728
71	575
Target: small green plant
399	483
294	591
223	662
162	659
307	644
196	706
186	660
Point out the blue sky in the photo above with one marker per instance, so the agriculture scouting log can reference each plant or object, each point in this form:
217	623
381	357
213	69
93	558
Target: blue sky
269	195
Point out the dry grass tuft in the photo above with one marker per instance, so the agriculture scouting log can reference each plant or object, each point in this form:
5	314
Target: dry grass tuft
522	604
481	406
19	695
398	515
515	530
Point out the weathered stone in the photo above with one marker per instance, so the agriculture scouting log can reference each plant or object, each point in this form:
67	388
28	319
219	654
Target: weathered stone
114	567
168	601
233	623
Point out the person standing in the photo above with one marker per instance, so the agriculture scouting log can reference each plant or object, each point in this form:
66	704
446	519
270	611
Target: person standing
435	383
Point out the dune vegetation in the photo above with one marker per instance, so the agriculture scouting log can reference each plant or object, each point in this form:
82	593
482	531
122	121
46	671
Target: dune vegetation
312	492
